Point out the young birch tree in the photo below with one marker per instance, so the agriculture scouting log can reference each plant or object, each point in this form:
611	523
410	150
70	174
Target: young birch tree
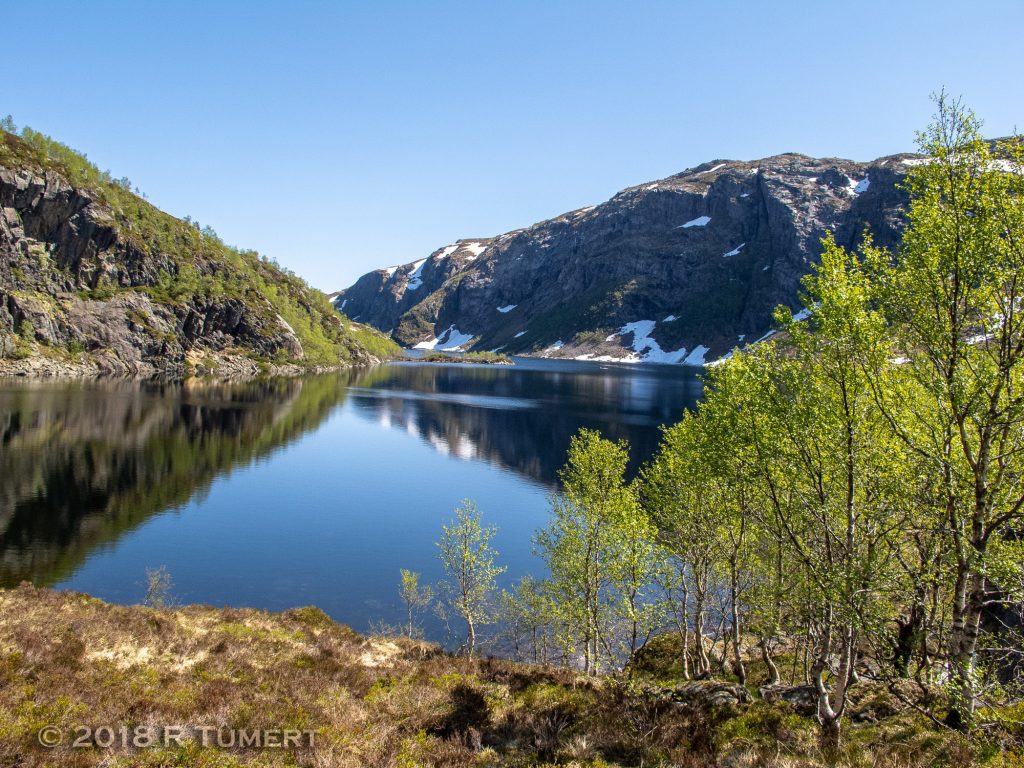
582	543
685	498
469	562
415	598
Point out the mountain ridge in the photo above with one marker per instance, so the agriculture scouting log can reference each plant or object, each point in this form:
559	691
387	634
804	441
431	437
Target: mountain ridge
680	269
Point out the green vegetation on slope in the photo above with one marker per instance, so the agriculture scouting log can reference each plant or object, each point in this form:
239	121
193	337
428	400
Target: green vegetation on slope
199	265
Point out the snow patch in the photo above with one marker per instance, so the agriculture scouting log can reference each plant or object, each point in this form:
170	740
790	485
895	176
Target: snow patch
669	319
556	346
647	348
416	277
475	248
451	340
1006	166
857	187
803	314
697	356
507	308
700	221
712	170
521	333
745	194
390	271
734	252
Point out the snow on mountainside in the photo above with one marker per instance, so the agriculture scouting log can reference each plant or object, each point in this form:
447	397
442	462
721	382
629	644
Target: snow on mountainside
712	250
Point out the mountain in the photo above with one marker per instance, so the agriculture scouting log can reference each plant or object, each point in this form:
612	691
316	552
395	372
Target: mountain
679	270
94	279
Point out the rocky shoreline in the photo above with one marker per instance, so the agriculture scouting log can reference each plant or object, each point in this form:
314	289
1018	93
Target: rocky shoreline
224	367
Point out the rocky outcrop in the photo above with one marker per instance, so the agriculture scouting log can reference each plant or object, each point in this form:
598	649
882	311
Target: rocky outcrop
678	270
95	280
706	693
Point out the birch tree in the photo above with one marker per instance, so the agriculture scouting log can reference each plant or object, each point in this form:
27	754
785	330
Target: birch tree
824	461
414	597
582	544
469	561
953	293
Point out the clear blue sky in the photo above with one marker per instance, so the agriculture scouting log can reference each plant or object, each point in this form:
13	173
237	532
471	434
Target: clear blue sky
340	137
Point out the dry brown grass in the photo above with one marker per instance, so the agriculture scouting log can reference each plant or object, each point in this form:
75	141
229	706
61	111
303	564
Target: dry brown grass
68	660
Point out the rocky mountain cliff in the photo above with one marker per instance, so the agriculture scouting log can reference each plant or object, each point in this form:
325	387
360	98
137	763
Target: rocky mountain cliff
679	270
93	279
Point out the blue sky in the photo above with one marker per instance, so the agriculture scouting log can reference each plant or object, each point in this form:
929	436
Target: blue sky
340	137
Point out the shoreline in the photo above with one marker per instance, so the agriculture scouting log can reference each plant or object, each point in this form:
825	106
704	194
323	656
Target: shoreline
228	368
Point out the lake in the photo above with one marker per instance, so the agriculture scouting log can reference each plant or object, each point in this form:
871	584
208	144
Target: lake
314	490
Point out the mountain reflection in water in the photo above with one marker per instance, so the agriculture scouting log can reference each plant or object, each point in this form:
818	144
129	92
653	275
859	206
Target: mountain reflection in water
522	418
313	490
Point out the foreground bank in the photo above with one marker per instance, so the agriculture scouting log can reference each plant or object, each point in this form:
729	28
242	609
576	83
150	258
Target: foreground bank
72	667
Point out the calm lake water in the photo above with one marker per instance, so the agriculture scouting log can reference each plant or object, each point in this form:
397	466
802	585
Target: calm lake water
293	492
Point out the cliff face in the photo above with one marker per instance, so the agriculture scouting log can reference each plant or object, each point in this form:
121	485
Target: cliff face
678	270
93	279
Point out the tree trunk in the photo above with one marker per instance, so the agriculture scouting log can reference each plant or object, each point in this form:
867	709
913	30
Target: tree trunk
967	610
686	629
703	662
831	705
907	638
774	678
830	740
734	595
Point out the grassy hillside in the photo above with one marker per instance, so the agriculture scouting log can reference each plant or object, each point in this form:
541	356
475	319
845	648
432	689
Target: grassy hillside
175	263
68	660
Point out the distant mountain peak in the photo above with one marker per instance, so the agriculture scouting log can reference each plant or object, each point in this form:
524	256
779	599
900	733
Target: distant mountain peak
715	248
